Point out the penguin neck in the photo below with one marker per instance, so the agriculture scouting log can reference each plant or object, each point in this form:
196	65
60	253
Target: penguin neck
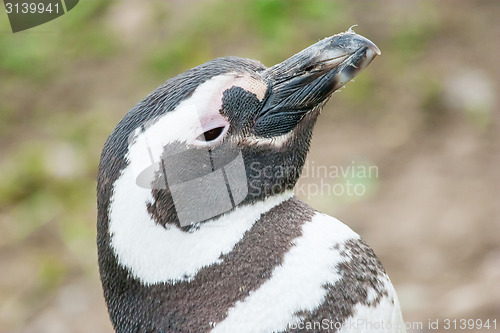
168	306
155	254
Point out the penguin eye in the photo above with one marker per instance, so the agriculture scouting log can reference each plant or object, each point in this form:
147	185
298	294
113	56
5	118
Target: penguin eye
211	134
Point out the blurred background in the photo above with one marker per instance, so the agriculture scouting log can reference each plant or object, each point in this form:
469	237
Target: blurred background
425	114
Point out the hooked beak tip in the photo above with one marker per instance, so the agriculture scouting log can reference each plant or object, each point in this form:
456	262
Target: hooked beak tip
368	42
375	49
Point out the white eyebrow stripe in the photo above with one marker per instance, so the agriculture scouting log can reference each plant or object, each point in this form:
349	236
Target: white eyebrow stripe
256	86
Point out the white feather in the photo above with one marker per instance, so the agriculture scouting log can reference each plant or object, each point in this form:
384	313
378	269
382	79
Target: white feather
154	254
298	285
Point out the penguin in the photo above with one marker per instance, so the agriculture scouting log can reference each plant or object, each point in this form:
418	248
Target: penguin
198	229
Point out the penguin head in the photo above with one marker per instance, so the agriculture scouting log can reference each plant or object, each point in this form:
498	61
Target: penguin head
229	132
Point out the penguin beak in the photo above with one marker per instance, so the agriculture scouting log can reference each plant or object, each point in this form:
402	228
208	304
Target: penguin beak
304	81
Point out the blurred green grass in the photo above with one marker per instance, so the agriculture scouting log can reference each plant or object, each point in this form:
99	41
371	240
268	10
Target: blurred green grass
269	26
39	54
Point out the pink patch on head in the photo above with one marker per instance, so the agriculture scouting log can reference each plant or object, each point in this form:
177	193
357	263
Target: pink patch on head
256	86
213	129
213	125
